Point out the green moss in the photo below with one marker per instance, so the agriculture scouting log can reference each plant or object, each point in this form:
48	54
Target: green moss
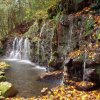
4	87
2	73
4	65
89	24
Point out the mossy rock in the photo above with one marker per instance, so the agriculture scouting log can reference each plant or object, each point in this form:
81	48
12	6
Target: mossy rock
4	65
7	90
2	78
2	73
1	52
56	65
51	63
4	86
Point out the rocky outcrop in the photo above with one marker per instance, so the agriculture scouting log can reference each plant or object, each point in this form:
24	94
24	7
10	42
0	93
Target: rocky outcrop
56	62
51	75
68	7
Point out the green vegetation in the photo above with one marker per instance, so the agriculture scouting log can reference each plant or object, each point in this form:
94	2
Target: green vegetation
15	12
89	25
4	86
51	26
4	65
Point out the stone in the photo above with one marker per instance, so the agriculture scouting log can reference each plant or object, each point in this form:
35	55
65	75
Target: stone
2	78
44	91
74	68
94	77
51	75
2	73
56	62
4	65
11	92
56	65
7	89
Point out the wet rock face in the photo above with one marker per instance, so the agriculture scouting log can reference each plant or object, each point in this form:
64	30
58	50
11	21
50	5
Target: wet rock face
72	32
69	33
56	62
68	7
42	42
74	69
95	78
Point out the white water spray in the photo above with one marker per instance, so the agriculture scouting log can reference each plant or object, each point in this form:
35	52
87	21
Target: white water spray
20	49
70	36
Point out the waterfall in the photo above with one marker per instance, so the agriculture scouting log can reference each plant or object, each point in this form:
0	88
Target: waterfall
20	49
26	49
44	44
84	66
70	33
39	42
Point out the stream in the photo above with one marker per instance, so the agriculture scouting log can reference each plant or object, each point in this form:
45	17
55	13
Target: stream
24	78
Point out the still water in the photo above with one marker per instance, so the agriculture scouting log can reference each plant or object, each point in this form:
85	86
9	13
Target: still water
24	78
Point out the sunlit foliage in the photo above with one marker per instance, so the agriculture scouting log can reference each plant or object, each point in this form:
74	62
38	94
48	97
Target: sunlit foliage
14	12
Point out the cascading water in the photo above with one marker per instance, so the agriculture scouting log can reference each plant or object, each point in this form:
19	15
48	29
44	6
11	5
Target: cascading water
70	34
86	71
84	66
44	47
39	42
14	51
21	49
26	49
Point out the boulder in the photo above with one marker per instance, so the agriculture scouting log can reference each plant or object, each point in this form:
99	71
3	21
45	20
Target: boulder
74	68
44	91
11	92
56	62
2	78
2	73
4	65
56	65
97	58
7	90
51	75
94	77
